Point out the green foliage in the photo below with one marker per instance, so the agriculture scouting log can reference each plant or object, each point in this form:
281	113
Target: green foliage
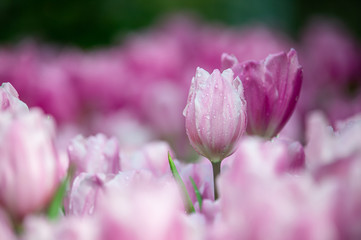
56	205
198	194
187	200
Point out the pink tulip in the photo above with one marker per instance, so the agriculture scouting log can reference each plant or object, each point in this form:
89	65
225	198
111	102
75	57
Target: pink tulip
215	116
96	154
151	156
268	208
29	163
258	201
215	113
329	152
141	208
271	88
88	188
267	158
6	231
9	99
84	193
201	173
348	199
69	228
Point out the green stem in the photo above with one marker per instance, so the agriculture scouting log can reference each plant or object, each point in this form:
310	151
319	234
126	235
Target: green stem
216	171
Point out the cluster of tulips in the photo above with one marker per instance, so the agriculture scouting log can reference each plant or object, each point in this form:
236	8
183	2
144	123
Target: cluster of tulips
94	145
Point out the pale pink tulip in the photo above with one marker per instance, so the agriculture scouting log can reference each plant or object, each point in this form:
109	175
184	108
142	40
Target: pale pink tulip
29	164
95	154
215	113
69	228
9	100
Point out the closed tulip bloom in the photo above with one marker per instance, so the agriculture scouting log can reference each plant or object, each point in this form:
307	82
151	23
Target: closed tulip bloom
215	113
215	116
271	88
29	163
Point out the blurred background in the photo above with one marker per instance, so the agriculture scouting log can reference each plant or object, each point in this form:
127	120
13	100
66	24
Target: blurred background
93	23
123	68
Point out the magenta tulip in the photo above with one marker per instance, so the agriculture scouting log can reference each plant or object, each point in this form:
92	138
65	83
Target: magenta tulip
271	88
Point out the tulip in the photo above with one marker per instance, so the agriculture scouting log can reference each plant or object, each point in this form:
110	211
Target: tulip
149	157
88	188
271	88
215	115
132	201
332	152
95	154
29	163
9	100
67	228
6	231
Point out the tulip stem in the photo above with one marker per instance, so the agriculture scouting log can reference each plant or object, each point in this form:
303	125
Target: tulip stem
216	171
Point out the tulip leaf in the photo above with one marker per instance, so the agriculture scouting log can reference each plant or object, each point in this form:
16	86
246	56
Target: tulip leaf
56	205
198	194
187	200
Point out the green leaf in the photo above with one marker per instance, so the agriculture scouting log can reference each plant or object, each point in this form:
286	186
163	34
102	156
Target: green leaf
187	200
198	194
56	205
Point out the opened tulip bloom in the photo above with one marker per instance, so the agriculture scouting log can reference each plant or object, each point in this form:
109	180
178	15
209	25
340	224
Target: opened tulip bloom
215	114
271	88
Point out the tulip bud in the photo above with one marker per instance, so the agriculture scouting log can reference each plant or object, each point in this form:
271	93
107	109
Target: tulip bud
215	113
271	88
29	164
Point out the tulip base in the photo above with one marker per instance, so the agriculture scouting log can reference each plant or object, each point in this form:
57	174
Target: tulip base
216	166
